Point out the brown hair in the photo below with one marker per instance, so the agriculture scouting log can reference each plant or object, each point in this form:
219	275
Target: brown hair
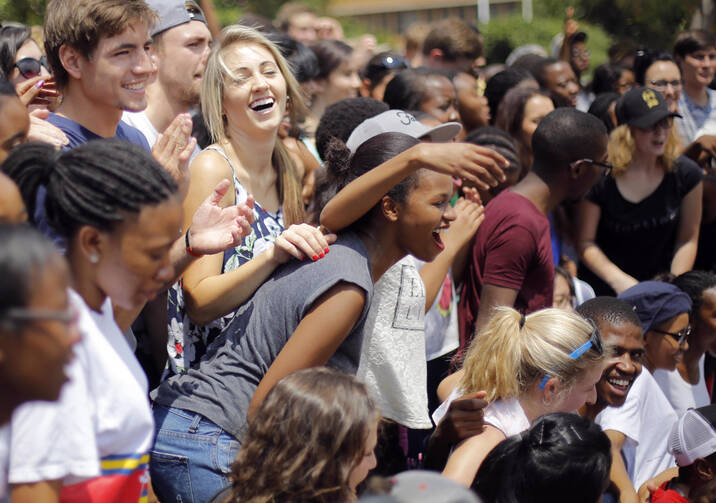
304	441
81	23
455	38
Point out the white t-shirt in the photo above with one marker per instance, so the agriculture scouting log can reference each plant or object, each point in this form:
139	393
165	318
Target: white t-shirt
140	121
441	328
645	419
392	361
505	415
682	395
4	456
97	436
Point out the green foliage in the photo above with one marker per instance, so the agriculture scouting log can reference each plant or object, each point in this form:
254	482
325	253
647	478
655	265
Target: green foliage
503	34
269	8
651	23
23	11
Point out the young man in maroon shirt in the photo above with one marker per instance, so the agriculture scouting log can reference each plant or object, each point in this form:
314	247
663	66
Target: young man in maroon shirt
510	263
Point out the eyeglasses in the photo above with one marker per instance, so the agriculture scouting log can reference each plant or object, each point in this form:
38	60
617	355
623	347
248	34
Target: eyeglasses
595	342
31	67
606	167
680	337
581	53
68	316
660	85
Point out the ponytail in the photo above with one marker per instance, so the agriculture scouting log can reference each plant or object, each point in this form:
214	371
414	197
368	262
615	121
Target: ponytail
513	351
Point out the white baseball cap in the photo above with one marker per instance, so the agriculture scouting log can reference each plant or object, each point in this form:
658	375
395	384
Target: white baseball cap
398	121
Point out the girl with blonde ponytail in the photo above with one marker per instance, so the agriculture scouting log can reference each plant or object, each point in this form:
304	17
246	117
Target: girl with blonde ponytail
547	361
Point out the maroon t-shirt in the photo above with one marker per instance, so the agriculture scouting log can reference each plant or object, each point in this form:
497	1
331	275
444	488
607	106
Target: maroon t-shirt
512	249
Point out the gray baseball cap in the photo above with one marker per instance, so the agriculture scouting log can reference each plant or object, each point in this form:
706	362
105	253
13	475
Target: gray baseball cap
173	13
398	121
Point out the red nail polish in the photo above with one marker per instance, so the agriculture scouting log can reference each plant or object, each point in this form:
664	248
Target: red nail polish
321	255
315	257
326	250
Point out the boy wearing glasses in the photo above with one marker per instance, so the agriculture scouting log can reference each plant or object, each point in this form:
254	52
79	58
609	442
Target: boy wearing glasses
630	407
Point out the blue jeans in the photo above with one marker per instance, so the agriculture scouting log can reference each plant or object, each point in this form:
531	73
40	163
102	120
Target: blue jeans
192	457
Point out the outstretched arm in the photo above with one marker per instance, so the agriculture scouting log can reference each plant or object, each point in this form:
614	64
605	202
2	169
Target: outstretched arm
618	473
479	165
465	460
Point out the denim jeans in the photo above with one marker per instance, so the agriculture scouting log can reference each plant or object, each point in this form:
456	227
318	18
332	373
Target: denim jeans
192	457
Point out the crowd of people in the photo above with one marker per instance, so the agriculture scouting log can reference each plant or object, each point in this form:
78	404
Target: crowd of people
265	263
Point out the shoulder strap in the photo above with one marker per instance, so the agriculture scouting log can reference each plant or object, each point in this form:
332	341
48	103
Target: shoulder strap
221	152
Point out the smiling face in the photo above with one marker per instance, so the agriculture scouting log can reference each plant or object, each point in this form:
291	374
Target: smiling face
698	68
623	365
180	56
254	100
665	77
134	259
425	212
662	350
115	75
440	99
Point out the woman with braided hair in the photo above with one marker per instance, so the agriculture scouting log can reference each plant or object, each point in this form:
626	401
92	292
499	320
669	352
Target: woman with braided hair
119	213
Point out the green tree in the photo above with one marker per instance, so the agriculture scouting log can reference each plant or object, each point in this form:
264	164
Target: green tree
23	11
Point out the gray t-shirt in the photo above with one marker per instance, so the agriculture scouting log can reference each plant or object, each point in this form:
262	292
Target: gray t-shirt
220	388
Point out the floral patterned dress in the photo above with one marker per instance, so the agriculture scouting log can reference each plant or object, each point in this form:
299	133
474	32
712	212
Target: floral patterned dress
187	341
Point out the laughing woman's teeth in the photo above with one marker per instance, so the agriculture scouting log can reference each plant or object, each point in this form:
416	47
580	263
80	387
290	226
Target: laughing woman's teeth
261	104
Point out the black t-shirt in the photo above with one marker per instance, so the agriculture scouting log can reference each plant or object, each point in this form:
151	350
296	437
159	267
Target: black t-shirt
640	237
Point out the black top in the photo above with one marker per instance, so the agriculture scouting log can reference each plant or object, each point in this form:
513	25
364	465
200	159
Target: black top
640	237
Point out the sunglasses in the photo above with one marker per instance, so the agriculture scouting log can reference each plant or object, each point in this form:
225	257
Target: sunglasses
679	337
31	67
594	342
606	167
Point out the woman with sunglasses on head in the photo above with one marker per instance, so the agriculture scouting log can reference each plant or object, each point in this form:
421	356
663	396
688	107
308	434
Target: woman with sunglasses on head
119	212
380	70
643	219
547	361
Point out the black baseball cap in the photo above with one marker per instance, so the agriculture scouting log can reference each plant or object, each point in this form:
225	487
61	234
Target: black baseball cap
642	107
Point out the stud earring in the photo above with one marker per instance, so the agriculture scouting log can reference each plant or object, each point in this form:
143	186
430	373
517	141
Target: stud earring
94	258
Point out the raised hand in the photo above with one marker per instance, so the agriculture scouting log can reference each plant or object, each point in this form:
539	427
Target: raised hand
215	229
173	150
480	166
37	91
469	215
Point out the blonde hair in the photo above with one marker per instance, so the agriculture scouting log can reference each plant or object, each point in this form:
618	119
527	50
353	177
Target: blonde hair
212	93
621	147
504	359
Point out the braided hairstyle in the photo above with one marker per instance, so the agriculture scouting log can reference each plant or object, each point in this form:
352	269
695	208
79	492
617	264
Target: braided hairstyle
96	184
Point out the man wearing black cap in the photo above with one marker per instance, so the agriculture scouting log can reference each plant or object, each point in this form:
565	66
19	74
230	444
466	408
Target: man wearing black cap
180	48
